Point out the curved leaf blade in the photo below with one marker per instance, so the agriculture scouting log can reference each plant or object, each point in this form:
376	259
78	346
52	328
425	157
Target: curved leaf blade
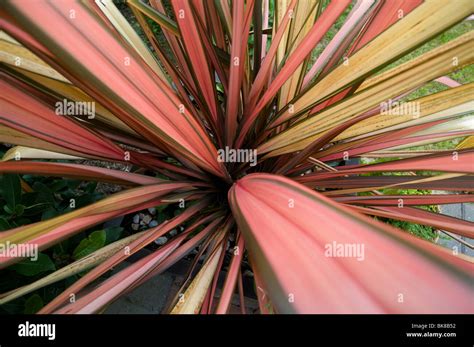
290	247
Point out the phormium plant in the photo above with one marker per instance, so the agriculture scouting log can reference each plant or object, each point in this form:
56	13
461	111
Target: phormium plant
220	108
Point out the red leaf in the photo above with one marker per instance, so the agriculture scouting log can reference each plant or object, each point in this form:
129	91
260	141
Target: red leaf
322	25
96	61
307	255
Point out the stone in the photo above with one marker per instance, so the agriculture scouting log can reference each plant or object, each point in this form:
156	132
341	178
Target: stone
463	211
161	240
147	219
136	219
149	298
